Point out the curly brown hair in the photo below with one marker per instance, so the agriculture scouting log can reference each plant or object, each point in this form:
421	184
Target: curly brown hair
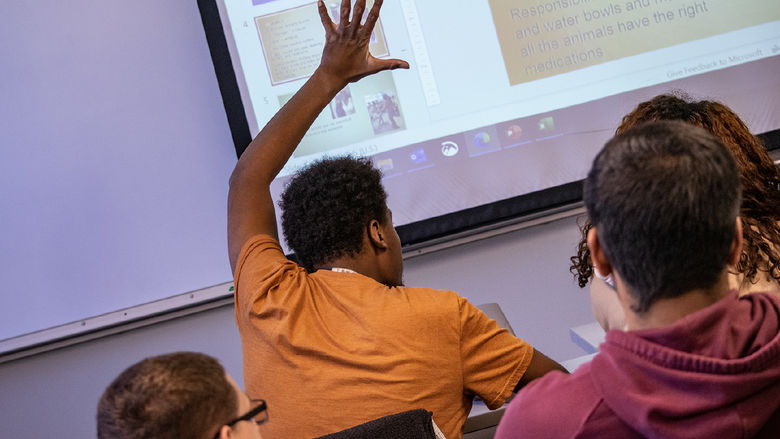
760	177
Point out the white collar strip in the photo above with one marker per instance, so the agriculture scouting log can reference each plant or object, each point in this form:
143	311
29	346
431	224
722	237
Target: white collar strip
342	270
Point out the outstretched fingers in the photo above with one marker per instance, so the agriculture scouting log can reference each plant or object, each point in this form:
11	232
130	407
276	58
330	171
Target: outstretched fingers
344	14
357	16
373	16
327	23
346	55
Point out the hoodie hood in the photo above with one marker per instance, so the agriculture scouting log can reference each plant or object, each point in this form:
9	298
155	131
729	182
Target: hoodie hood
714	373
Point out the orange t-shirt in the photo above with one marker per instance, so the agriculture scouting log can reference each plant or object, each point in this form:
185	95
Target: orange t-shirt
331	350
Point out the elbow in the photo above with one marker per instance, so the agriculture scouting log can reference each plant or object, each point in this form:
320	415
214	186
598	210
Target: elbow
239	178
236	175
250	172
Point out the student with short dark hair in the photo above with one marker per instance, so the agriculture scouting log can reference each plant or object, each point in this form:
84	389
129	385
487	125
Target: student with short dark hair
338	340
696	360
183	395
758	269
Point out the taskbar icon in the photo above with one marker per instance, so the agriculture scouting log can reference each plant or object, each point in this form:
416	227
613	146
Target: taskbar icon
449	148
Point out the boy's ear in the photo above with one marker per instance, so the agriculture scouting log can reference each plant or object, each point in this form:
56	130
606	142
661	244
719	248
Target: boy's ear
375	234
736	245
600	261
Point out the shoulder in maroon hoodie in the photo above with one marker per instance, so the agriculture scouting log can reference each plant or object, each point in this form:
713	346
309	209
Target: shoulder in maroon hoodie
714	373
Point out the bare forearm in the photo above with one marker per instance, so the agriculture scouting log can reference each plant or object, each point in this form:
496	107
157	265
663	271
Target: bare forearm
274	145
265	157
540	365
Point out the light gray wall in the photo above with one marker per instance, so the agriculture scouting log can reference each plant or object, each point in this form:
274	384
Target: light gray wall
55	394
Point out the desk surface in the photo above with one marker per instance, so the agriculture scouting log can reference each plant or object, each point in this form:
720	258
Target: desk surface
481	417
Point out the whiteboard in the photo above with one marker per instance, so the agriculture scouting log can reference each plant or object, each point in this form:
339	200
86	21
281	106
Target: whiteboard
115	160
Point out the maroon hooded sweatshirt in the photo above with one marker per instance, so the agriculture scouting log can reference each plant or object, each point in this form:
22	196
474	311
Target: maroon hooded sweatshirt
713	374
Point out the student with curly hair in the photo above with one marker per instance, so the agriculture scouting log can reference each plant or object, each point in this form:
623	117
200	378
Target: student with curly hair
183	395
338	340
758	268
695	360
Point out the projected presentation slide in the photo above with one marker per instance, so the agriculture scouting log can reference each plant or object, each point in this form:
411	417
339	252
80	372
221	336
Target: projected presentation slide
504	97
554	37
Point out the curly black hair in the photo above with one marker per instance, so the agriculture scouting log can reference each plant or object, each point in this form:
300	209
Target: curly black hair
326	207
760	178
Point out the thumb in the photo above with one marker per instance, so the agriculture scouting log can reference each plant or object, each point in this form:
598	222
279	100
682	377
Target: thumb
397	64
377	65
388	64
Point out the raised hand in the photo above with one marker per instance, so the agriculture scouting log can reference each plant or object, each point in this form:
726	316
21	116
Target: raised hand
345	59
346	56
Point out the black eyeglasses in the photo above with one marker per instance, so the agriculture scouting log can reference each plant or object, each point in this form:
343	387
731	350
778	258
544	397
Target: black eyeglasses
256	415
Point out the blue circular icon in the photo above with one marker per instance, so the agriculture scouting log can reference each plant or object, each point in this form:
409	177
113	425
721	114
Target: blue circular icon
482	139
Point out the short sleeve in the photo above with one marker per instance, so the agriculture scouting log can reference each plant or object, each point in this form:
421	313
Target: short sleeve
261	265
493	359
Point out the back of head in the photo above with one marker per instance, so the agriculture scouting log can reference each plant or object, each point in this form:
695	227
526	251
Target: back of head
664	197
179	395
326	207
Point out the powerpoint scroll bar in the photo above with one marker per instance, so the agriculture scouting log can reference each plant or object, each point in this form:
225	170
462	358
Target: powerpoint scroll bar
422	62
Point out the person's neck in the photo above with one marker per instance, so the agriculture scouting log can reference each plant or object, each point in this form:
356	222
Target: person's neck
356	264
666	312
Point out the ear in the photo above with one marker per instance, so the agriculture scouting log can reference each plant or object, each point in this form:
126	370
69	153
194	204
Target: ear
225	432
376	234
600	261
736	245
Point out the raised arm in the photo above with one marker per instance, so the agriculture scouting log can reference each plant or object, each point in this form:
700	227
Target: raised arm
345	59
